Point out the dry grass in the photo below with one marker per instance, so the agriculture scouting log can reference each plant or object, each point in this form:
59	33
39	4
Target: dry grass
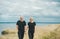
46	32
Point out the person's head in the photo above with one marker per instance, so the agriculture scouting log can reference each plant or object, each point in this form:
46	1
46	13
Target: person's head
31	19
21	18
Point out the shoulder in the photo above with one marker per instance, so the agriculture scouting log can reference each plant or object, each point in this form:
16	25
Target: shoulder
17	23
18	20
28	22
34	22
23	21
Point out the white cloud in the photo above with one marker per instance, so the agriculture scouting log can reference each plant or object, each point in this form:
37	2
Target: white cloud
34	7
5	16
55	14
12	6
33	0
50	12
40	8
51	3
31	7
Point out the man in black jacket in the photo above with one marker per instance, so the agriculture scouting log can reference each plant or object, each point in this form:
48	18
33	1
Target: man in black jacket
21	27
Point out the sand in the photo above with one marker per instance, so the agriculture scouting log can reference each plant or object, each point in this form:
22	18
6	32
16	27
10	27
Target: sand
40	31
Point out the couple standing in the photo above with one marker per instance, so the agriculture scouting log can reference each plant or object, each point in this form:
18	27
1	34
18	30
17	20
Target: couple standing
21	26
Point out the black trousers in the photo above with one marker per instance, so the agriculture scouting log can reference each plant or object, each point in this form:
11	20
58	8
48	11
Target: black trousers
31	35
20	35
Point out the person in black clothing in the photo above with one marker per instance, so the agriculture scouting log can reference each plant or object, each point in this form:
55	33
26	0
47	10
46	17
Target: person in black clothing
21	27
31	26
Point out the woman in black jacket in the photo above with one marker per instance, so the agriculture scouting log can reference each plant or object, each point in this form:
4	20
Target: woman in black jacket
31	26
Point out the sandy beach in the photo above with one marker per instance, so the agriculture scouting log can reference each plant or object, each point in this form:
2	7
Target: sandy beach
41	32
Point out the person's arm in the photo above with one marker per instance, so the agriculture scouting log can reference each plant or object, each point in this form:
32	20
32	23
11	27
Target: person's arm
24	26
28	26
17	27
35	26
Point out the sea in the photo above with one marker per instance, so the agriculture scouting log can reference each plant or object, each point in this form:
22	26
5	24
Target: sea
12	25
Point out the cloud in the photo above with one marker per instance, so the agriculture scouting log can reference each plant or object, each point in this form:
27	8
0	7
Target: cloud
42	8
34	7
52	3
32	0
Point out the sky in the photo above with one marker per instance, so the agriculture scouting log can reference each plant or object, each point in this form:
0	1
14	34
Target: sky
43	10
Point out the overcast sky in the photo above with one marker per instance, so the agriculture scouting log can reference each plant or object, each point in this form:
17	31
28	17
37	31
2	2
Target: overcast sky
45	9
